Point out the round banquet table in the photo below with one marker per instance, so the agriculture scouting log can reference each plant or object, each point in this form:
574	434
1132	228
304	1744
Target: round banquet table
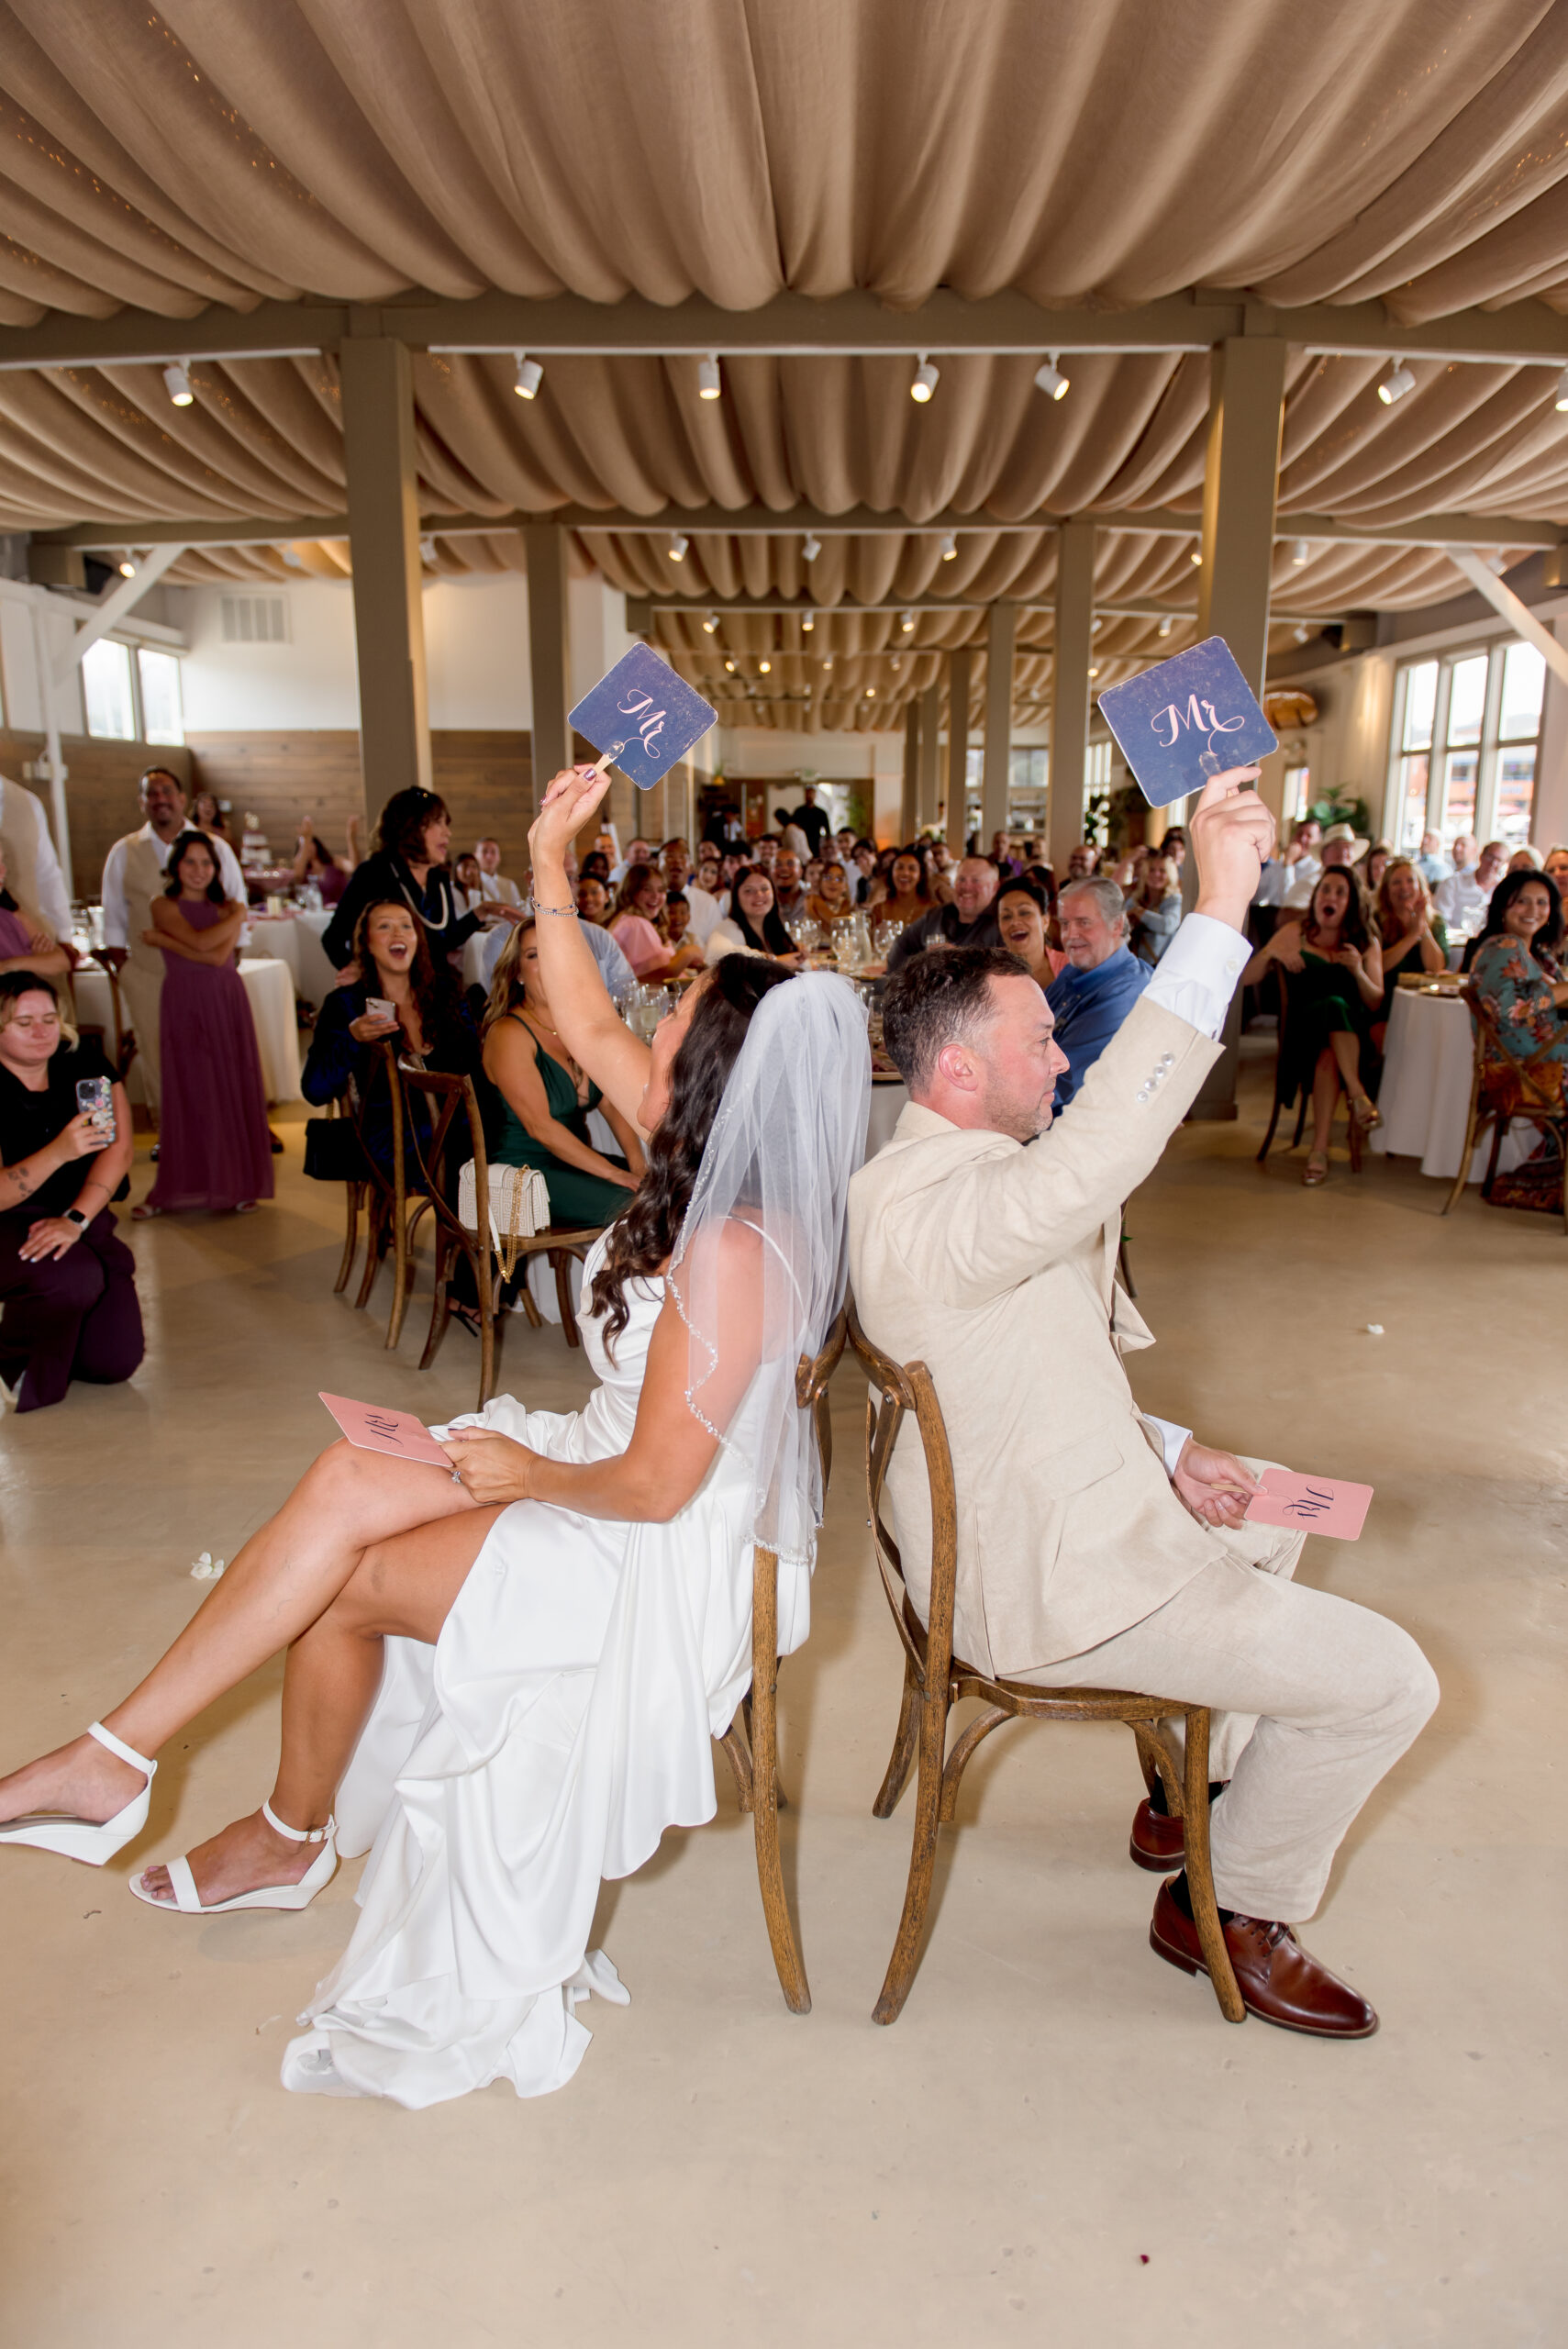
269	990
295	940
1428	1059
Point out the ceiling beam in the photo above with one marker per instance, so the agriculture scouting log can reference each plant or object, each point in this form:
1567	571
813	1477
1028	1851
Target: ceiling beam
641	610
858	521
1522	334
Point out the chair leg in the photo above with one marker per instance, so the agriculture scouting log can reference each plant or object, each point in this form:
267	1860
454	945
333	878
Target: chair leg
375	1249
440	1304
1200	1875
558	1260
401	1283
1268	1138
1154	1761
905	1958
1499	1128
963	1750
487	1338
352	1237
1472	1126
787	1961
903	1756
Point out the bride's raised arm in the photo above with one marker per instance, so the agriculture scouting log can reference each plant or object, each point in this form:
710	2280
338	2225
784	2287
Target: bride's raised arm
589	1025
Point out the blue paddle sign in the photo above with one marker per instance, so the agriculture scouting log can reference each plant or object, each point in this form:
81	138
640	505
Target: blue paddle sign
643	717
1186	720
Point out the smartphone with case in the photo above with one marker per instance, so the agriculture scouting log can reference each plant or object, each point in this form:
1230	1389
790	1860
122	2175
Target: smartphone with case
378	1008
95	1099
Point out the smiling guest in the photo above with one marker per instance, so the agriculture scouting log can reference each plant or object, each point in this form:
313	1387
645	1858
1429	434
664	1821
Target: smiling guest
970	921
1102	982
1518	970
753	925
429	1022
412	839
1022	917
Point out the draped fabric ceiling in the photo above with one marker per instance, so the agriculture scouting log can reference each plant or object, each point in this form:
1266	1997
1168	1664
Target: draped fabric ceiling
224	152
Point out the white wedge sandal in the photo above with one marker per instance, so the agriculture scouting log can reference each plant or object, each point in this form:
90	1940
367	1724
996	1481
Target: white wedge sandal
188	1902
79	1838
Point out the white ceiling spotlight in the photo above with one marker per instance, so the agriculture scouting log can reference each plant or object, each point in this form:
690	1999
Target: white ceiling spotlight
127	569
808	622
764	668
1559	397
828	661
1299	551
177	382
710	625
709	383
1166	625
1093	672
427	549
291	555
1195	558
811	546
926	381
1300	634
949	548
678	545
1398	379
906	622
1050	380
527	374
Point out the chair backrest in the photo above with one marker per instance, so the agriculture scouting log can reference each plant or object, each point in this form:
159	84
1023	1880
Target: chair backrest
1499	1072
811	1379
383	1072
901	1391
448	1097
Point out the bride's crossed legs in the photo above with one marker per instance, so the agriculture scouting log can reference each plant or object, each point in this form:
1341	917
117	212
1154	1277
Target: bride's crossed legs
361	1550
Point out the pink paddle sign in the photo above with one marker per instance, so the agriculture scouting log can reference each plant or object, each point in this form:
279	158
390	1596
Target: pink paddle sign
1321	1504
402	1435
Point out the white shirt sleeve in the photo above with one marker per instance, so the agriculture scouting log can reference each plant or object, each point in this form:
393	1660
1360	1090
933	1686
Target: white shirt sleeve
53	896
117	913
1173	1439
1198	974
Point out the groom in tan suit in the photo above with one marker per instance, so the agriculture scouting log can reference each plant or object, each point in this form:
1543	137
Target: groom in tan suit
1098	1547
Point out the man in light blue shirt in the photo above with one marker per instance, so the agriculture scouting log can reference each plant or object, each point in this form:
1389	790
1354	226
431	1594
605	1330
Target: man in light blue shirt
1102	982
619	976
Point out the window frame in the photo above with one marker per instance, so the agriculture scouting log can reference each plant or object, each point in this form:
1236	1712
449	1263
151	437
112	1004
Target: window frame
1494	650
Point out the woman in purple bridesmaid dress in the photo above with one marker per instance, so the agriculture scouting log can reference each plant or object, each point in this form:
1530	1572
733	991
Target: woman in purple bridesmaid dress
214	1150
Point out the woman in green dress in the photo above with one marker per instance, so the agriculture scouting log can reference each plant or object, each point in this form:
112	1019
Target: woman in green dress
545	1097
1333	994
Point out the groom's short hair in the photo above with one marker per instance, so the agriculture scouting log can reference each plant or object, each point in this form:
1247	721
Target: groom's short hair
940	998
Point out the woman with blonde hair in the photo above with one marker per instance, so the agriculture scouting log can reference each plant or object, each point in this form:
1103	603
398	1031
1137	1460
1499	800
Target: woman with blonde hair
1412	933
546	1097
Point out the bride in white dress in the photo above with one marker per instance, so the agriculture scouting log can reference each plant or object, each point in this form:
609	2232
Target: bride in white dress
509	1678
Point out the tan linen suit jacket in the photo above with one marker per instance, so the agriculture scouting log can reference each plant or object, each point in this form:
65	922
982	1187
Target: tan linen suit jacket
995	1265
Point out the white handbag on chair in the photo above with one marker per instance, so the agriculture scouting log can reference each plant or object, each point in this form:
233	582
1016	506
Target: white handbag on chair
519	1207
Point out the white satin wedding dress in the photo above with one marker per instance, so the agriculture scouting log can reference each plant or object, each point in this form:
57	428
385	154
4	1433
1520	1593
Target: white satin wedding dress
562	1720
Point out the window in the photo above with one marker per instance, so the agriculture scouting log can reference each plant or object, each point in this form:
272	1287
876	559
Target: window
106	690
162	718
1466	737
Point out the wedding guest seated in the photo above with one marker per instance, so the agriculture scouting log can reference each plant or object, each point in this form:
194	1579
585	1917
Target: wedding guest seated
1334	995
1434	864
429	1022
494	889
619	978
862	862
640	926
1518	968
1554	864
1102	980
1411	932
1462	898
1370	869
545	1097
1081	861
467	882
26	943
314	861
753	925
1173	845
594	901
68	1306
789	884
901	893
677	919
595	866
970	921
1526	859
409	861
1154	908
1023	919
1296	865
830	901
215	1149
207	816
1337	856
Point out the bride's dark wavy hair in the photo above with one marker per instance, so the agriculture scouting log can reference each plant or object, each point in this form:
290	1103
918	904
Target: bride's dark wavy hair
643	1237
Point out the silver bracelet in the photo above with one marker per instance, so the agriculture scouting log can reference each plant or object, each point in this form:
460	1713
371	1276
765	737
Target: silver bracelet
556	909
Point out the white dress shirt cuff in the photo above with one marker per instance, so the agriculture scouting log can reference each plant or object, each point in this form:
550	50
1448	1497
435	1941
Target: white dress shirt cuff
1197	973
1173	1439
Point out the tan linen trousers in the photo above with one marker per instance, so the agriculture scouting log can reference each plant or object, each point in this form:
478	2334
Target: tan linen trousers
1315	1699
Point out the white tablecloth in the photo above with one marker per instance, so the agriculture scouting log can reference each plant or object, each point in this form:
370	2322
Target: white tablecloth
1428	1061
269	989
295	940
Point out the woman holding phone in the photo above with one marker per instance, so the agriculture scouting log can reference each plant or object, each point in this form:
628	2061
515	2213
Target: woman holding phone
68	1306
396	995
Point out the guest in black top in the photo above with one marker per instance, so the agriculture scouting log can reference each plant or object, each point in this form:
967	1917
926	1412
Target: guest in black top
409	862
68	1304
429	1023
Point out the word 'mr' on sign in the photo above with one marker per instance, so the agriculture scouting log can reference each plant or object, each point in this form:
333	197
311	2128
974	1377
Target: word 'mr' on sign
1186	720
642	716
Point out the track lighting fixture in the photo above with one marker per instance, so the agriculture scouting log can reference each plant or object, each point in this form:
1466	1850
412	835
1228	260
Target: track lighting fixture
1050	380
1166	625
710	625
177	382
528	375
678	545
812	546
708	384
906	622
949	548
1559	398
1300	552
1398	379
926	381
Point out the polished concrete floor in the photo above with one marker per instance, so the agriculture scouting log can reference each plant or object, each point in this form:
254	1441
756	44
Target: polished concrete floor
1060	2141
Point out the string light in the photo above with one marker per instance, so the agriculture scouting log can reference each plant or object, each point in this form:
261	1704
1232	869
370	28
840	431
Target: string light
708	384
177	382
1050	380
678	546
926	381
949	548
527	375
1396	382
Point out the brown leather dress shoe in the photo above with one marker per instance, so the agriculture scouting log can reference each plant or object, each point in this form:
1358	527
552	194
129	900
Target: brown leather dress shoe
1156	1841
1279	1982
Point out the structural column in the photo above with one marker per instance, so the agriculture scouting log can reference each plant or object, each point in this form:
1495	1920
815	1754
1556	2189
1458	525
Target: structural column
996	772
544	551
930	751
909	811
958	746
1241	483
384	539
1075	638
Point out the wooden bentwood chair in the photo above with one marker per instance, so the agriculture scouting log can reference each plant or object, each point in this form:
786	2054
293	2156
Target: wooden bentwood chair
935	1680
751	1740
446	1098
383	1200
1501	1089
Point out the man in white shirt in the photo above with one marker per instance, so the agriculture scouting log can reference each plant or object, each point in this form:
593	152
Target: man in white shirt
494	889
706	914
1098	1547
133	876
1432	863
1463	898
637	851
36	880
1298	862
1339	849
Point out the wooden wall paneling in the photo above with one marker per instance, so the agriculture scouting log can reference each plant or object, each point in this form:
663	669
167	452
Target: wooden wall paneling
100	791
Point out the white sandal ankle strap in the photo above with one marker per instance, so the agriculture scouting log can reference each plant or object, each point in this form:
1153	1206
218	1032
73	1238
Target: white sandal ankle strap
296	1835
118	1745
